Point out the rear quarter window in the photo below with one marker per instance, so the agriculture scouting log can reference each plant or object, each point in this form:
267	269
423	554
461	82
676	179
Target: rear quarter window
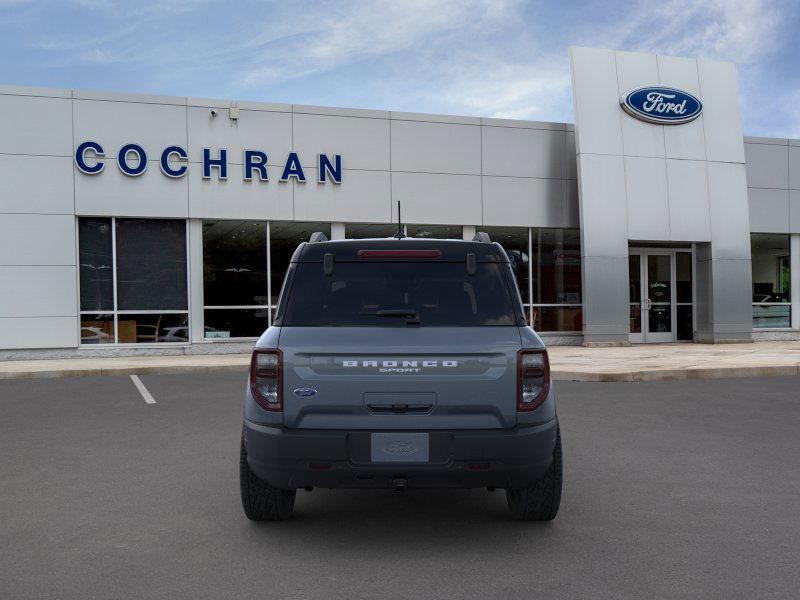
441	293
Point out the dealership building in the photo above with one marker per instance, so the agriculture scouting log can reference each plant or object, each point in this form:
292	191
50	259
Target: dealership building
136	224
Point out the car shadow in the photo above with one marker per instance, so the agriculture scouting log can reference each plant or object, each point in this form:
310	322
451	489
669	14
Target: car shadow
399	522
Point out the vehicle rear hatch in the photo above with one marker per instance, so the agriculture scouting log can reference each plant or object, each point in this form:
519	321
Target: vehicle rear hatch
400	334
404	378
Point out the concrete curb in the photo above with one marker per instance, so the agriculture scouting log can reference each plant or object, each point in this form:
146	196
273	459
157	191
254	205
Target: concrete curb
121	371
558	374
677	374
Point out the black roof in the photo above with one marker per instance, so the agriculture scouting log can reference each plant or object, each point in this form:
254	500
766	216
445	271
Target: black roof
347	250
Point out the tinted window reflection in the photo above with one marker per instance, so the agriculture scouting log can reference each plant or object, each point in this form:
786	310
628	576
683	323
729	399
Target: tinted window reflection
556	266
440	294
96	264
152	328
234	263
151	264
442	232
771	280
284	238
514	241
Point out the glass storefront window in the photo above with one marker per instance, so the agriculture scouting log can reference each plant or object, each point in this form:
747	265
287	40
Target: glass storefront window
772	306
151	328
442	232
96	264
515	241
97	328
151	264
556	261
557	318
684	330
547	265
354	231
225	323
133	278
283	241
235	263
235	290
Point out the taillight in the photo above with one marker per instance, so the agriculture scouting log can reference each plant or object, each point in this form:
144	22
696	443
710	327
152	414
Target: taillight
266	378
533	378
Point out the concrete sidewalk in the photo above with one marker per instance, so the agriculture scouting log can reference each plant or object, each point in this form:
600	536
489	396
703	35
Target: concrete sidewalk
633	363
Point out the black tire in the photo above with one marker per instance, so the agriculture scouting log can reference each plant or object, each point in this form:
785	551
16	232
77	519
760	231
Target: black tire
260	500
540	501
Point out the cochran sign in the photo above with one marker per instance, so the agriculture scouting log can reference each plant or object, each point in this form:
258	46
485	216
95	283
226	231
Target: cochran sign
662	105
173	160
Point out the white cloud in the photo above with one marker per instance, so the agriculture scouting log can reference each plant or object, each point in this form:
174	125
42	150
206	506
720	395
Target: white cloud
505	58
359	31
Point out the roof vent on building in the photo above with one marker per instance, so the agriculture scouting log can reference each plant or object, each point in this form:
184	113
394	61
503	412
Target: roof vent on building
481	236
318	236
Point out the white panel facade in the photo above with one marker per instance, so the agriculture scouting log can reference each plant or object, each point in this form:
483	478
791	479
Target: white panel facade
526	202
36	184
38	332
437	198
730	227
28	239
794	167
237	199
767	165
769	210
366	198
35	125
687	184
38	281
43	291
602	199
594	76
635	70
794	211
151	194
722	120
114	124
269	132
516	152
420	146
688	140
648	205
668	172
362	142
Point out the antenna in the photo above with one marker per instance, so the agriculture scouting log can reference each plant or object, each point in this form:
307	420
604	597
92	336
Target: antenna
400	233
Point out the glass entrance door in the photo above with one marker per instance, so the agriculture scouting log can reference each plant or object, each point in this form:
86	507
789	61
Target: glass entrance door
660	295
657	301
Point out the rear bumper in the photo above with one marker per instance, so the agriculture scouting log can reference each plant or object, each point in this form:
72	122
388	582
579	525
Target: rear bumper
297	458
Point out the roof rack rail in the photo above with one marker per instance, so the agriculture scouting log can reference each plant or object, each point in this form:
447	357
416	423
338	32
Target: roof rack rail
318	236
481	236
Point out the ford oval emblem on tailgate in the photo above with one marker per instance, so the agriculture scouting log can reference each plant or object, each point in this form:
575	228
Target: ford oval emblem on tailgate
305	392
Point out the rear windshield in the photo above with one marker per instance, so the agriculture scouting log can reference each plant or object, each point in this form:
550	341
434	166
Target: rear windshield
386	294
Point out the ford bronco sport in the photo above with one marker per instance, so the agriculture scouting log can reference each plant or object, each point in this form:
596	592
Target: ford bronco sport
398	363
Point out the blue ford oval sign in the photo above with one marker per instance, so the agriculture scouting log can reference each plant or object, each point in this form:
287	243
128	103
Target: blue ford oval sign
662	105
305	392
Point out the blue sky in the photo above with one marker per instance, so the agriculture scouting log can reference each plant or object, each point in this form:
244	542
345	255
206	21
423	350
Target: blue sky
503	58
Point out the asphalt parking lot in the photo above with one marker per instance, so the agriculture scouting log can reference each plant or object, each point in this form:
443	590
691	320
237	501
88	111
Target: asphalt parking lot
683	489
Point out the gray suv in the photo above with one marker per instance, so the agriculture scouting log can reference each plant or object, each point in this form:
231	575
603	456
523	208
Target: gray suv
400	363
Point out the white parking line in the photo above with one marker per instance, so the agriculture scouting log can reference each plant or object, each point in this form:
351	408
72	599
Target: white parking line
148	397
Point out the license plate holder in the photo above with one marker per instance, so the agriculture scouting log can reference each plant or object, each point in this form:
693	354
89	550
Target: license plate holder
400	447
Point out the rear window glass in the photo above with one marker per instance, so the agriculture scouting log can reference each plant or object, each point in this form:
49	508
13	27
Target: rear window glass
379	293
